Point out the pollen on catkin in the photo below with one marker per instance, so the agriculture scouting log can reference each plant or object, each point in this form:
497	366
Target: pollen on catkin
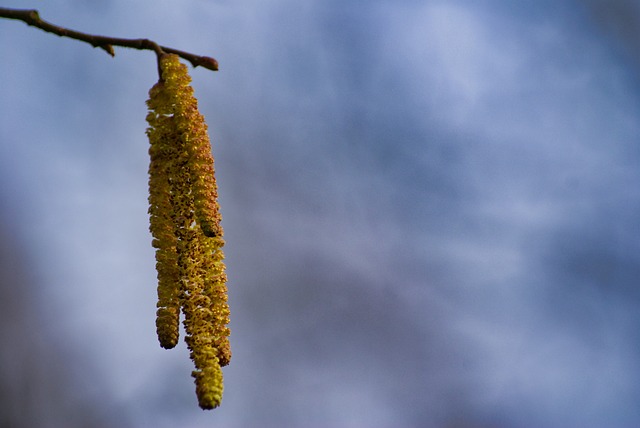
162	219
185	225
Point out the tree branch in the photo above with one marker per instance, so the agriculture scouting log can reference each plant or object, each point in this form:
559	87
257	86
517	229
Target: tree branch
31	17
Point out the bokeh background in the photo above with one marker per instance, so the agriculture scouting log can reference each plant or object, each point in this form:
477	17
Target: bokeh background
431	208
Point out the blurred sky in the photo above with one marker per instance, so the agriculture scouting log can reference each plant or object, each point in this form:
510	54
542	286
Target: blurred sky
431	209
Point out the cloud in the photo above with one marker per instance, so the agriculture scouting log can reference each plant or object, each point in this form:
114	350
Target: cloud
619	20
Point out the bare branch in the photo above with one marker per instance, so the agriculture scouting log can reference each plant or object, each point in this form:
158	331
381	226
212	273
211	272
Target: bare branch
32	17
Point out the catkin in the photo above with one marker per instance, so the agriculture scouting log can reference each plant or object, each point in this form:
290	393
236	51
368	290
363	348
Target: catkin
162	219
185	224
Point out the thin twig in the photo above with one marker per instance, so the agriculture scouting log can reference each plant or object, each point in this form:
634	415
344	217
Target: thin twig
31	17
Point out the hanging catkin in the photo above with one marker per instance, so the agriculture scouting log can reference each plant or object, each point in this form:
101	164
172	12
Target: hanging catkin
185	224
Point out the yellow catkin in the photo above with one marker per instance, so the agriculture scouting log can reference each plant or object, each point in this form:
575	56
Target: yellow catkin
161	216
209	386
192	127
185	223
215	288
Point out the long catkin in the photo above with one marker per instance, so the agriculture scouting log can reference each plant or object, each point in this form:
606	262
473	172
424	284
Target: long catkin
185	224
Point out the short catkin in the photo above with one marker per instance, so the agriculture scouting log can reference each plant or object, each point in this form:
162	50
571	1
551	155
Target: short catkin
187	235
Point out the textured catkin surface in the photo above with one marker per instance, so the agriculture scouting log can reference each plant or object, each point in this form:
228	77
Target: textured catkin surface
185	224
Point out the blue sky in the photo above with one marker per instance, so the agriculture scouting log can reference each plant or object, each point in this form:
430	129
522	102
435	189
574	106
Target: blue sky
431	211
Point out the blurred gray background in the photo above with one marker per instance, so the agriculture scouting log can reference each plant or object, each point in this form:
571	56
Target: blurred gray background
431	208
